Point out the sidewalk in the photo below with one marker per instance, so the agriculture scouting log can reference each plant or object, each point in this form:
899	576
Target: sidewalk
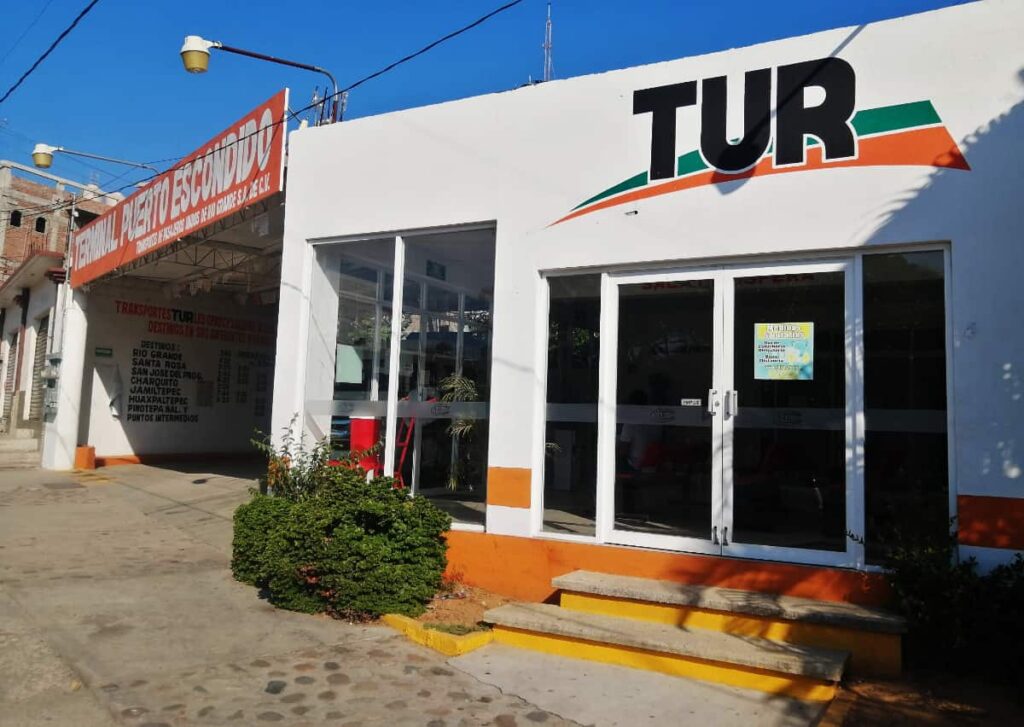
117	607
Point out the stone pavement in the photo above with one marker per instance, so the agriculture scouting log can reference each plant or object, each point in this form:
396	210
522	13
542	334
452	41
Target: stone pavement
117	607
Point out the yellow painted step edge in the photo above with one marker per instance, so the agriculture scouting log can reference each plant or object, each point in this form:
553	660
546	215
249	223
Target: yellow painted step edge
877	654
798	687
447	644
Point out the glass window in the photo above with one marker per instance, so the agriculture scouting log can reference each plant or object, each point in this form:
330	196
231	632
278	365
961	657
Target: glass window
663	435
905	450
789	441
570	434
349	348
444	372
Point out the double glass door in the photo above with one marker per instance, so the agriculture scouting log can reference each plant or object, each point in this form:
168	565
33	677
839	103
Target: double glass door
728	405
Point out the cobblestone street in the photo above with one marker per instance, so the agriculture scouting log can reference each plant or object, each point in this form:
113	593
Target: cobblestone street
117	606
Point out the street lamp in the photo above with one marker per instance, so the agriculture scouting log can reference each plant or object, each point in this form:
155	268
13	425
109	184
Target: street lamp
195	54
42	157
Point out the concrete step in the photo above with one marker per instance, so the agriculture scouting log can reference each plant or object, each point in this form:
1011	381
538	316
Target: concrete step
794	670
19	460
10	444
872	636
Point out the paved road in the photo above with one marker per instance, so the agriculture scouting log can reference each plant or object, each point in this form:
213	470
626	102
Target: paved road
117	607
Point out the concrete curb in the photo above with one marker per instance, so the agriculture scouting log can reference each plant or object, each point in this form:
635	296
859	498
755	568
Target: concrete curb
447	644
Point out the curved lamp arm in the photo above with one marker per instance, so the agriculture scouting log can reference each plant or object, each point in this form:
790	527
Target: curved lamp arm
42	157
195	53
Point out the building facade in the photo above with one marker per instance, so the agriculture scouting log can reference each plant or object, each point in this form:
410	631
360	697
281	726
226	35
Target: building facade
37	211
742	317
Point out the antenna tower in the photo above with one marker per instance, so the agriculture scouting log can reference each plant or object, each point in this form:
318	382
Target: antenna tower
549	66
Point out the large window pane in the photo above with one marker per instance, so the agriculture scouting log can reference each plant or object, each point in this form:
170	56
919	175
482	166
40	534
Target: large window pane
444	372
349	347
663	436
789	440
906	470
570	441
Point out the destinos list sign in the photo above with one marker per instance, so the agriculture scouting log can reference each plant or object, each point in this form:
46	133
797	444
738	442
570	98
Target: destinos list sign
237	168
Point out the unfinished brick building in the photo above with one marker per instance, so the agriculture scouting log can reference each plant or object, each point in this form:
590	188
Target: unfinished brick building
33	215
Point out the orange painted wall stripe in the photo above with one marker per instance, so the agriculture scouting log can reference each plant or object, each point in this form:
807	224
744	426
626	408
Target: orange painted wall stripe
991	522
508	486
522	568
932	146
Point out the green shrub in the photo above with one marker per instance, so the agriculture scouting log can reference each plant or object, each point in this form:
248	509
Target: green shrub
255	523
957	618
325	539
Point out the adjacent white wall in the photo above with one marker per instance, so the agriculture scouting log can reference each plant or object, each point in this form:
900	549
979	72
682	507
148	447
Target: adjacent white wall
525	158
220	427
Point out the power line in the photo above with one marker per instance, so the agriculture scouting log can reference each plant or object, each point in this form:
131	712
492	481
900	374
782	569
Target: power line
26	31
479	21
49	50
421	51
424	49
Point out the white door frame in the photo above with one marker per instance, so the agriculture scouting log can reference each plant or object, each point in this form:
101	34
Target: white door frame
606	416
723	277
852	554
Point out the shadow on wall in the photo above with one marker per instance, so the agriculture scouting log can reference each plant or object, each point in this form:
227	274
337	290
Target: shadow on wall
980	213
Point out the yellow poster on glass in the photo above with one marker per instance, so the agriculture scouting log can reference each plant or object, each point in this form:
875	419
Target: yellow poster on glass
784	351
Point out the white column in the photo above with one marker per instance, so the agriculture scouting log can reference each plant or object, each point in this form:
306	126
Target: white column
291	360
60	434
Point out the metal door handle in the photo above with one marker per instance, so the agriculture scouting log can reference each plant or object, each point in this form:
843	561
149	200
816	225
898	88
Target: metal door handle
725	535
714	534
712	401
732	403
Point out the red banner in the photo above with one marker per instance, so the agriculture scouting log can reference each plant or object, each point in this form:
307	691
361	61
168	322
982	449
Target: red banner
237	168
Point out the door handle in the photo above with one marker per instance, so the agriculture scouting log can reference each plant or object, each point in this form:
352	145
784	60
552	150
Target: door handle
725	535
714	534
732	403
712	401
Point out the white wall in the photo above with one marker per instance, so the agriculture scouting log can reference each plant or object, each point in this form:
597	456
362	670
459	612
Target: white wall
525	158
212	426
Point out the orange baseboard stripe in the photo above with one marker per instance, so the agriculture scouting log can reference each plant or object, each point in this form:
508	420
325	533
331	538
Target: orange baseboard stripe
522	568
508	486
991	522
112	460
85	458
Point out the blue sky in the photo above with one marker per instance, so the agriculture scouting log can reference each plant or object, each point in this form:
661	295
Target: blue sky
116	86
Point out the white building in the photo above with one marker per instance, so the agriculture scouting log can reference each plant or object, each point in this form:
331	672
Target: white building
609	261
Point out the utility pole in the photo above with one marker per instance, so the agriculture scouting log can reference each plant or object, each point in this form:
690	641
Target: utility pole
549	66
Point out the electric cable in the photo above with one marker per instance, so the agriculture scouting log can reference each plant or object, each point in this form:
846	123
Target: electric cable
284	119
26	31
49	50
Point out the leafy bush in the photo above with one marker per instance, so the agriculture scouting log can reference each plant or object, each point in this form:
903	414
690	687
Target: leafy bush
255	522
957	618
325	539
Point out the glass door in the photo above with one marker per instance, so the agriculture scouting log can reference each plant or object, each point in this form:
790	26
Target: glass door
727	411
662	419
788	402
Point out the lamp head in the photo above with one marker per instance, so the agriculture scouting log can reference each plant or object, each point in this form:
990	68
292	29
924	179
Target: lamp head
195	53
42	155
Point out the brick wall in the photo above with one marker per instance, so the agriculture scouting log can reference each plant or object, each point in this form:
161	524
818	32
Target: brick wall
18	243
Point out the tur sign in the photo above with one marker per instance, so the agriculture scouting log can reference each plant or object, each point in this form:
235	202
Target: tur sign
801	117
238	167
829	120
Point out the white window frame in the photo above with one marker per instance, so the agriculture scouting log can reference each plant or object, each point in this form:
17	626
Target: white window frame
853	259
395	342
